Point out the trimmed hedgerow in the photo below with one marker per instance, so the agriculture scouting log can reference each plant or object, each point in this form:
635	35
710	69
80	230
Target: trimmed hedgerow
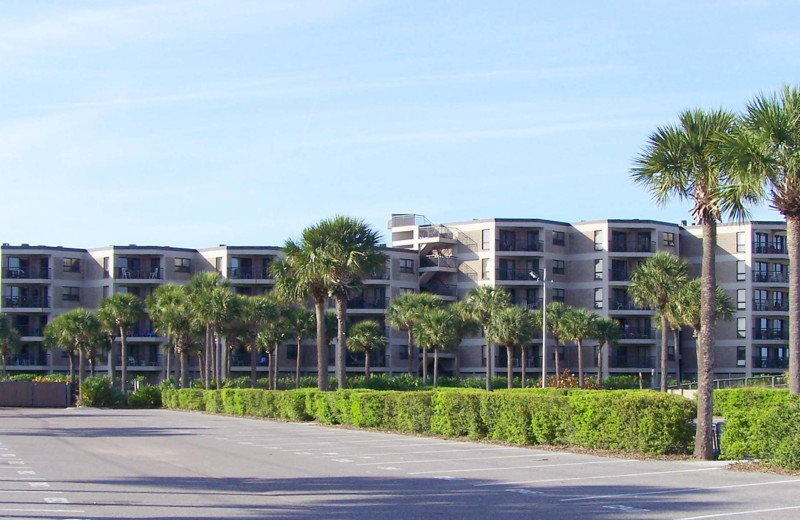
636	421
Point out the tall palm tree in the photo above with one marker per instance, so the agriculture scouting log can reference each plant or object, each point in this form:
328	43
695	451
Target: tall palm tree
437	329
366	337
513	327
271	335
579	325
466	326
256	312
201	301
78	332
686	162
120	313
688	300
9	339
169	308
405	312
607	332
57	335
484	302
223	310
301	324
764	150
351	251
653	285
556	318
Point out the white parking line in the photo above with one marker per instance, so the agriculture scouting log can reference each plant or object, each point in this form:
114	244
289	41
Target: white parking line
42	510
522	467
752	512
446	460
680	490
594	477
40	491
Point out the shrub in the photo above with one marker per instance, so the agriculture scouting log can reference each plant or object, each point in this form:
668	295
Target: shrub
99	391
457	414
21	377
146	396
626	382
191	399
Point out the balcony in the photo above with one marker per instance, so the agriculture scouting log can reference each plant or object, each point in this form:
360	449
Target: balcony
361	302
27	274
29	330
16	302
29	360
237	273
771	333
766	305
636	246
379	274
770	362
518	275
440	289
771	277
637	333
438	262
632	361
531	305
770	248
520	245
435	231
622	304
620	275
138	274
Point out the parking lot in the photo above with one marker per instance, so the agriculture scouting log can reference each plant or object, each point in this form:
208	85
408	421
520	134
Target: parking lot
89	463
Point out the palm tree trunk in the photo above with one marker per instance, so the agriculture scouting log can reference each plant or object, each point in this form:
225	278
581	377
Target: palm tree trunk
183	368
424	366
523	360
663	352
269	370
411	355
435	366
200	365
703	447
80	373
207	358
322	351
489	366
91	366
366	367
277	364
253	360
678	360
580	363
558	369
71	357
793	243
111	359
509	367
341	341
600	365
123	377
166	368
175	368
297	365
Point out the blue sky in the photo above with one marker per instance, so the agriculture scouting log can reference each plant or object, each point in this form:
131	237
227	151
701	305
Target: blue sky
194	123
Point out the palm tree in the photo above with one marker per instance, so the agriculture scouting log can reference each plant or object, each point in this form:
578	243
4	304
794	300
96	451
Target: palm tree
437	329
169	309
9	339
222	310
512	327
301	324
466	326
77	331
272	333
120	313
484	302
405	312
556	319
350	252
256	312
607	332
764	150
688	304
366	336
686	162
201	302
653	285
57	335
579	325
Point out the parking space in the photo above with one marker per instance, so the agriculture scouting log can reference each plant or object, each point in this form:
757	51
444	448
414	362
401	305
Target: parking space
86	463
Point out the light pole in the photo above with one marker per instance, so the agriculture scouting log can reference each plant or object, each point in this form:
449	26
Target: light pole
543	279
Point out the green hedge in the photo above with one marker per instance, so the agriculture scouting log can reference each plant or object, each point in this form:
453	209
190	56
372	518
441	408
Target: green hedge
762	424
635	421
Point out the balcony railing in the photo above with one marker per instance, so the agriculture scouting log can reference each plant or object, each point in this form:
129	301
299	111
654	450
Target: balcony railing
237	273
449	262
29	330
435	231
766	305
27	274
771	277
18	302
441	289
380	274
637	333
770	362
625	305
771	333
138	274
635	246
520	245
774	248
633	361
620	275
521	275
531	305
28	360
360	302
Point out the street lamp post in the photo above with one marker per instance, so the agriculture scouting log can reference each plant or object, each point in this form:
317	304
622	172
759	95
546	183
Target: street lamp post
543	279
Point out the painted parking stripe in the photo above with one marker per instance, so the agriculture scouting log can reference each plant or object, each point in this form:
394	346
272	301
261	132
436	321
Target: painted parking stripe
8	509
681	490
752	512
594	477
512	468
447	460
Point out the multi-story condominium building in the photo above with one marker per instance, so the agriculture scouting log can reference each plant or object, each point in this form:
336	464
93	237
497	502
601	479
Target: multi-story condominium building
584	264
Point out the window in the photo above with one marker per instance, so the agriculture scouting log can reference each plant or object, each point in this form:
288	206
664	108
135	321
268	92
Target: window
485	238
72	265
741	270
779	244
559	239
598	298
598	240
741	301
760	272
669	239
71	294
183	265
558	267
740	243
559	295
407	265
598	269
741	356
741	327
485	273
